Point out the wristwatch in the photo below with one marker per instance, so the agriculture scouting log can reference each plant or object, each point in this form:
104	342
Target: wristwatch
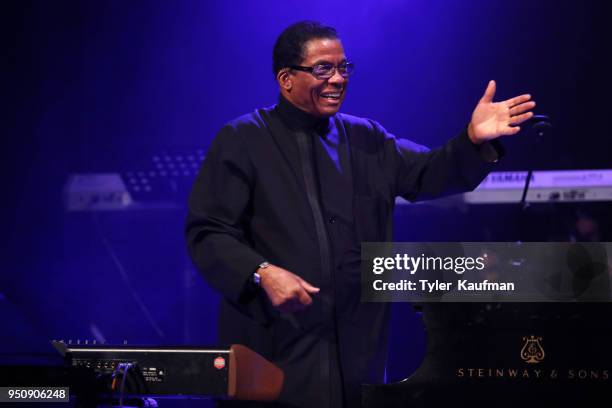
256	278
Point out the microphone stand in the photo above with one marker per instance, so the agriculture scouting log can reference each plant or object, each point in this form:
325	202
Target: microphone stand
541	125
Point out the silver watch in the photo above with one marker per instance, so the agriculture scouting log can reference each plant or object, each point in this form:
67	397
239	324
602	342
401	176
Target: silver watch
257	277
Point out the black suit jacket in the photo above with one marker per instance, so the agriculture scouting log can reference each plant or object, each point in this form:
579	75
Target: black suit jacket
248	204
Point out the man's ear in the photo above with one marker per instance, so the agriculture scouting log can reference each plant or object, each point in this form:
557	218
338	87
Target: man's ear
284	79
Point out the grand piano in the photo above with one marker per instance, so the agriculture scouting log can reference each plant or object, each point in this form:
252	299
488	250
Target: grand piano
508	355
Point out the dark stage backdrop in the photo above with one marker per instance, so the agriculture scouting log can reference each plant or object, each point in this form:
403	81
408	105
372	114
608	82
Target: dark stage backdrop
94	85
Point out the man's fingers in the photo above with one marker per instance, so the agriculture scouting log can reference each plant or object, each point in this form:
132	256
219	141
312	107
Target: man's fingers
489	92
287	291
517	120
512	130
304	298
517	100
308	287
523	107
295	300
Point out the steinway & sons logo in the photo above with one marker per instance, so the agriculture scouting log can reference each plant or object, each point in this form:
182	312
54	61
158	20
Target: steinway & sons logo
532	351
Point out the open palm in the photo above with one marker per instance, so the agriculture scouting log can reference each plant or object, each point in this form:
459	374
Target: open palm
494	119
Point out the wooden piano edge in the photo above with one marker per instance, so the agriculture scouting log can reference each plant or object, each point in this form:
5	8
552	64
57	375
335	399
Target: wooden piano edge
252	377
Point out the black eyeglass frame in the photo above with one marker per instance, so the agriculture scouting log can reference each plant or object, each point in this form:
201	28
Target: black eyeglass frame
348	69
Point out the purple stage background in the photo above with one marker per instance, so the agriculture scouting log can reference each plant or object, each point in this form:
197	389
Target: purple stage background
94	85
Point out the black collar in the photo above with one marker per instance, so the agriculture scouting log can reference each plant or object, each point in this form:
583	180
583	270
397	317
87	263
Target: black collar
297	119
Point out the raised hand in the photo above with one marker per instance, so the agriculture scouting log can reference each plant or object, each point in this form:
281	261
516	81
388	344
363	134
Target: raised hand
494	119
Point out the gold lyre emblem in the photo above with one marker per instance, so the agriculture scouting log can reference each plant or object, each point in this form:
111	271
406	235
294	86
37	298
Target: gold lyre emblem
532	351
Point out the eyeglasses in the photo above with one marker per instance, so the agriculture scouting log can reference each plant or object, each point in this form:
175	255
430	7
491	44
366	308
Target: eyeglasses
326	71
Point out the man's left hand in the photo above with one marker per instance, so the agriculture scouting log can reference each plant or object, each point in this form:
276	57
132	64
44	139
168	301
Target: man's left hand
494	119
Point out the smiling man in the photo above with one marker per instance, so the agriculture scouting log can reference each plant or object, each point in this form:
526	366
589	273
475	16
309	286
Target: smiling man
284	199
321	93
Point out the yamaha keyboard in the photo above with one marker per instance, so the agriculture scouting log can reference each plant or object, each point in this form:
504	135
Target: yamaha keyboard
544	187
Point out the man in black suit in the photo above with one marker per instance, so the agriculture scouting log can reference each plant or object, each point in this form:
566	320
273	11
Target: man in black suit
287	194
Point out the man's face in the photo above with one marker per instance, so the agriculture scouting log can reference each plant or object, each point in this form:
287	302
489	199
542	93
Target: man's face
319	97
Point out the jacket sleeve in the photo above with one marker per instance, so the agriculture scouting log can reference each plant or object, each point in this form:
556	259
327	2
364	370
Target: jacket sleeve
418	173
215	228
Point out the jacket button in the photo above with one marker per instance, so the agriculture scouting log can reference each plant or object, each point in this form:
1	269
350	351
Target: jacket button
332	220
